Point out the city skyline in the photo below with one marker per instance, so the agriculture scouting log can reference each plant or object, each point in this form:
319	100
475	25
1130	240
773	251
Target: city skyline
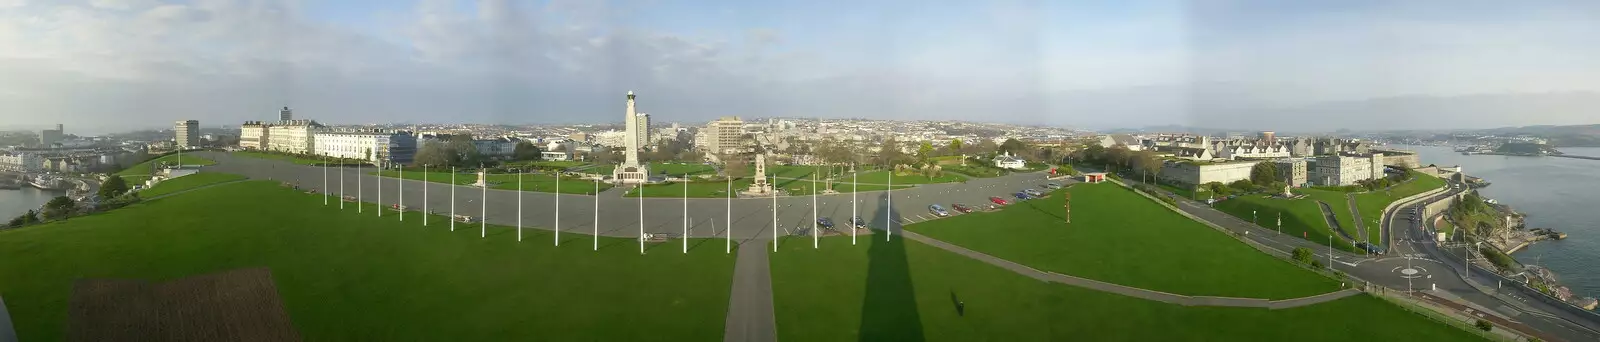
1356	65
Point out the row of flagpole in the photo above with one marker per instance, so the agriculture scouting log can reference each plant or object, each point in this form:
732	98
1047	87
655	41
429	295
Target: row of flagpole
727	230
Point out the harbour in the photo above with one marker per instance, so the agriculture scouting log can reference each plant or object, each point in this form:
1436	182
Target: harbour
1555	197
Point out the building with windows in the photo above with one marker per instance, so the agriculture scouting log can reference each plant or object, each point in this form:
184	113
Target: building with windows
293	136
1345	169
285	114
502	147
1293	170
188	133
723	135
18	161
253	135
376	146
1192	173
51	136
641	133
1008	161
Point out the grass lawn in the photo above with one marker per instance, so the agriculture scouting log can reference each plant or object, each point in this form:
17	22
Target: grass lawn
537	182
143	169
976	171
283	157
561	164
796	181
1339	204
906	291
1120	237
188	182
1300	216
1371	204
347	277
673	168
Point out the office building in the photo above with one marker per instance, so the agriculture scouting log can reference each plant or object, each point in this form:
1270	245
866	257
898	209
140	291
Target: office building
293	136
641	133
253	135
51	136
725	135
285	115
188	133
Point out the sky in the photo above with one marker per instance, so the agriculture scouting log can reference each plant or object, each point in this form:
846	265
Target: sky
102	66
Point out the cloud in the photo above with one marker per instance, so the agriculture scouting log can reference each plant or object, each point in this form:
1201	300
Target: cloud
109	65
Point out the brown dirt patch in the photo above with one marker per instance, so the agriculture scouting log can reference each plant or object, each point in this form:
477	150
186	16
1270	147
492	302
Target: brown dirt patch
237	305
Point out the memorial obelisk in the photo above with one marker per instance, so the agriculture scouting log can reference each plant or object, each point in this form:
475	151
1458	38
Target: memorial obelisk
631	171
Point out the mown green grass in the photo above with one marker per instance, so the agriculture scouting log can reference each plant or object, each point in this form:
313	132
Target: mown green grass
536	182
1300	217
299	160
144	169
188	182
1371	204
344	276
1338	203
1120	237
907	291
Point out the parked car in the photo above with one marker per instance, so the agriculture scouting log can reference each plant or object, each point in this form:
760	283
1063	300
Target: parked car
1032	192
1021	196
824	223
858	222
938	210
1053	185
961	208
999	201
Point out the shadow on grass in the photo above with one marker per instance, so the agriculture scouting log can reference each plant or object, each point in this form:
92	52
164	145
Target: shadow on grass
889	309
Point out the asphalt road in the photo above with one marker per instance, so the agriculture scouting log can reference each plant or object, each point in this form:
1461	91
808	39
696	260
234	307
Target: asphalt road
752	218
1414	263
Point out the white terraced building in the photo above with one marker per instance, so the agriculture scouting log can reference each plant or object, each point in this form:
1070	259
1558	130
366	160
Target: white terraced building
377	147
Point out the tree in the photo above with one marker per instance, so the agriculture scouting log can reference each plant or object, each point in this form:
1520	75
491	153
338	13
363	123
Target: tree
1014	146
955	146
435	153
526	150
1146	163
59	208
1484	325
889	154
1264	173
985	146
465	153
735	167
1117	155
113	187
924	152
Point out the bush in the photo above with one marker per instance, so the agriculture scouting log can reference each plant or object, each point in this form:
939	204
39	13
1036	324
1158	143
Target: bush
1302	254
1484	325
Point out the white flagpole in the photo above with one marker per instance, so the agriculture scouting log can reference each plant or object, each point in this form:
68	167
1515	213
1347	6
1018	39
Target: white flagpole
400	206
358	188
452	198
888	225
519	205
483	224
597	214
774	185
325	193
686	214
341	186
727	232
853	215
814	209
558	208
425	186
641	216
380	192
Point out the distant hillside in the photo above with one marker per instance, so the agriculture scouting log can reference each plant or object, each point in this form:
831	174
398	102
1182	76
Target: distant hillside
1561	136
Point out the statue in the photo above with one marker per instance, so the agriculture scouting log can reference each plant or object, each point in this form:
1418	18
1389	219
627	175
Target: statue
483	179
760	186
1286	192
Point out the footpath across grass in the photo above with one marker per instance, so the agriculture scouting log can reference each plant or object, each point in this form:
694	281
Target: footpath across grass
345	276
1338	204
1120	237
907	291
144	169
535	182
1301	217
188	182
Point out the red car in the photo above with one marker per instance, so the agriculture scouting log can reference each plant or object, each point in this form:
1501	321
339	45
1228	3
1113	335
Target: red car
961	208
998	200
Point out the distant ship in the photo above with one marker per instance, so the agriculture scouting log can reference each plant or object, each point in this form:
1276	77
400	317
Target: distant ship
46	183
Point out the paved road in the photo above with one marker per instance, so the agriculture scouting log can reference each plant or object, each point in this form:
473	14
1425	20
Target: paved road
8	332
750	311
1428	269
620	217
1355	217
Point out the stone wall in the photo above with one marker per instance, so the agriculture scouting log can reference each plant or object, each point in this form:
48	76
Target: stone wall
1191	174
1400	158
